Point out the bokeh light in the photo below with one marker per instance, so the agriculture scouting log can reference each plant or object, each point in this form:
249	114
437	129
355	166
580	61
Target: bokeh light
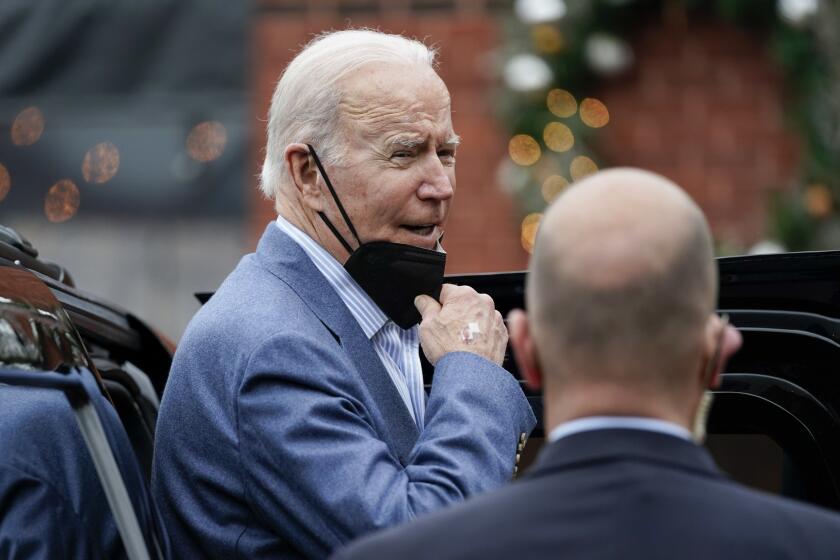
558	137
27	127
553	186
582	166
818	200
561	103
594	113
547	39
207	141
527	73
62	201
539	11
101	163
5	182
524	150
530	225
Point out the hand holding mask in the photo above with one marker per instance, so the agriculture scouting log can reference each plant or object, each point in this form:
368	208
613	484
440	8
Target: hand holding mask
463	321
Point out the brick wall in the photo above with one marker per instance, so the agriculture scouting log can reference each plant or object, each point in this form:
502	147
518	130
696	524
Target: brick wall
703	106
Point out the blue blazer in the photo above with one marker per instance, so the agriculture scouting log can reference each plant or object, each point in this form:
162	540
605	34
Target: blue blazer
609	494
281	435
52	503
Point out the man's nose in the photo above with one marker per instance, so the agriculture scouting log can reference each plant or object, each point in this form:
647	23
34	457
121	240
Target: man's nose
437	183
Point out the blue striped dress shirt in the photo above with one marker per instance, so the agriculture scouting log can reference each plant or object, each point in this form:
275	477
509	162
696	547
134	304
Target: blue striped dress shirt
398	349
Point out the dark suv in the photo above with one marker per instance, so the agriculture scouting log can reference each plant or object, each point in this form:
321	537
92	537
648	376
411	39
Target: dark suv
775	422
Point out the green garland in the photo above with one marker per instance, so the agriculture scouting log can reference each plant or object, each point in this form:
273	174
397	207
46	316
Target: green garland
801	218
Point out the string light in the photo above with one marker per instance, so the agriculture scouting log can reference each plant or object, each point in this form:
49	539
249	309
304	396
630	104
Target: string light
552	187
581	167
524	150
558	137
62	201
207	141
547	39
594	113
561	103
818	200
530	225
5	182
101	163
27	127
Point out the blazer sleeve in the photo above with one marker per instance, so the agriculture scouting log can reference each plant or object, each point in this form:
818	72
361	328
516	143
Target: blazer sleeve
317	472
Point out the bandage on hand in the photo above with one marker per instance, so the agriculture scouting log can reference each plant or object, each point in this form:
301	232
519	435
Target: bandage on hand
463	321
469	332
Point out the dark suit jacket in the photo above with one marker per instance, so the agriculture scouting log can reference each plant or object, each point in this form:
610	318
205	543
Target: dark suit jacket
616	494
281	434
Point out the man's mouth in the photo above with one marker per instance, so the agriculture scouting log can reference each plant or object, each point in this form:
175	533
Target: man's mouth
424	230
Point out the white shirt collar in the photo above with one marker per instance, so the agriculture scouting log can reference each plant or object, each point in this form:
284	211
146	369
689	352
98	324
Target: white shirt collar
369	316
590	423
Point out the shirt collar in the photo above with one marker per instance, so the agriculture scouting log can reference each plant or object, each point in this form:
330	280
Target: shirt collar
369	316
590	423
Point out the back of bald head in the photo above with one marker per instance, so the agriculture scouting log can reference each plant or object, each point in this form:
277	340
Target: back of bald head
622	282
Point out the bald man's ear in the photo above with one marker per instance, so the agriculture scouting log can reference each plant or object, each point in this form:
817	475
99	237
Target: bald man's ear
304	174
722	340
524	350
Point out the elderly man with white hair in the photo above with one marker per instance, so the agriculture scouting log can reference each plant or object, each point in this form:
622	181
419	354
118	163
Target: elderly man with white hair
295	417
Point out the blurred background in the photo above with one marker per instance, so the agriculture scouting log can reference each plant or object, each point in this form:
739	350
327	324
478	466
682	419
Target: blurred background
131	134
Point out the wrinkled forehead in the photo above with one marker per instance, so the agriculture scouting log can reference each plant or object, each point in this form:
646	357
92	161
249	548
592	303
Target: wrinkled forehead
380	99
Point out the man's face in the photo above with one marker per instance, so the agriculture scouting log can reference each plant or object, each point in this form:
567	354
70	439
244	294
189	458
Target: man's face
397	178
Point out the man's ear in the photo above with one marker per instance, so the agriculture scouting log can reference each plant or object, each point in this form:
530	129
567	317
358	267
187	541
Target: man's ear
719	347
301	167
524	350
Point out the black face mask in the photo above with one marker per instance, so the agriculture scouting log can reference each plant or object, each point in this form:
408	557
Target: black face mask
392	274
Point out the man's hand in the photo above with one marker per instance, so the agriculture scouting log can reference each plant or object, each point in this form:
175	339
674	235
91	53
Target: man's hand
465	321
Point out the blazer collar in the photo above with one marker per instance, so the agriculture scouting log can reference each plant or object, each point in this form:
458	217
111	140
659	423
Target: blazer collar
586	448
286	260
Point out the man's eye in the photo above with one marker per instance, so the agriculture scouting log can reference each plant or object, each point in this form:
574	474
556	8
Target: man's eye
402	154
446	155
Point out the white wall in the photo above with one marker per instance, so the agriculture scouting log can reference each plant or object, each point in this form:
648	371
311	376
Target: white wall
151	268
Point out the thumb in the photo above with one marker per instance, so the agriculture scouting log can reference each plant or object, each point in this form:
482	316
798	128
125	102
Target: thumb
427	306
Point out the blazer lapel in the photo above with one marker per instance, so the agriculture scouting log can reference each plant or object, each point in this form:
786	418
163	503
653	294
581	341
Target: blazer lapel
285	259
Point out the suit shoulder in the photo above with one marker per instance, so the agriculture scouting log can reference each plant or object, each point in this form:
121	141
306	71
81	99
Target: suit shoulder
809	515
251	306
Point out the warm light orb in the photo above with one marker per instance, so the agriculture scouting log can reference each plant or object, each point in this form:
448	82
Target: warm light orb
547	39
530	225
207	141
582	166
818	200
558	137
594	113
101	163
27	127
553	186
524	150
5	182
62	201
561	103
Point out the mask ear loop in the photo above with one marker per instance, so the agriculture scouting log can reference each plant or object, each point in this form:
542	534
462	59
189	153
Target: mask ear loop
337	203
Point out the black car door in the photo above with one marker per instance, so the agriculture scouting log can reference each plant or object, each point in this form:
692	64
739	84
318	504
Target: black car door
775	421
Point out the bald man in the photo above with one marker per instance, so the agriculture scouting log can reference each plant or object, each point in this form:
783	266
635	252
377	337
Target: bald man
622	337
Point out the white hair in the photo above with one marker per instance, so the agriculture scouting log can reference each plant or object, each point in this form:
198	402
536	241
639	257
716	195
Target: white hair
305	104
